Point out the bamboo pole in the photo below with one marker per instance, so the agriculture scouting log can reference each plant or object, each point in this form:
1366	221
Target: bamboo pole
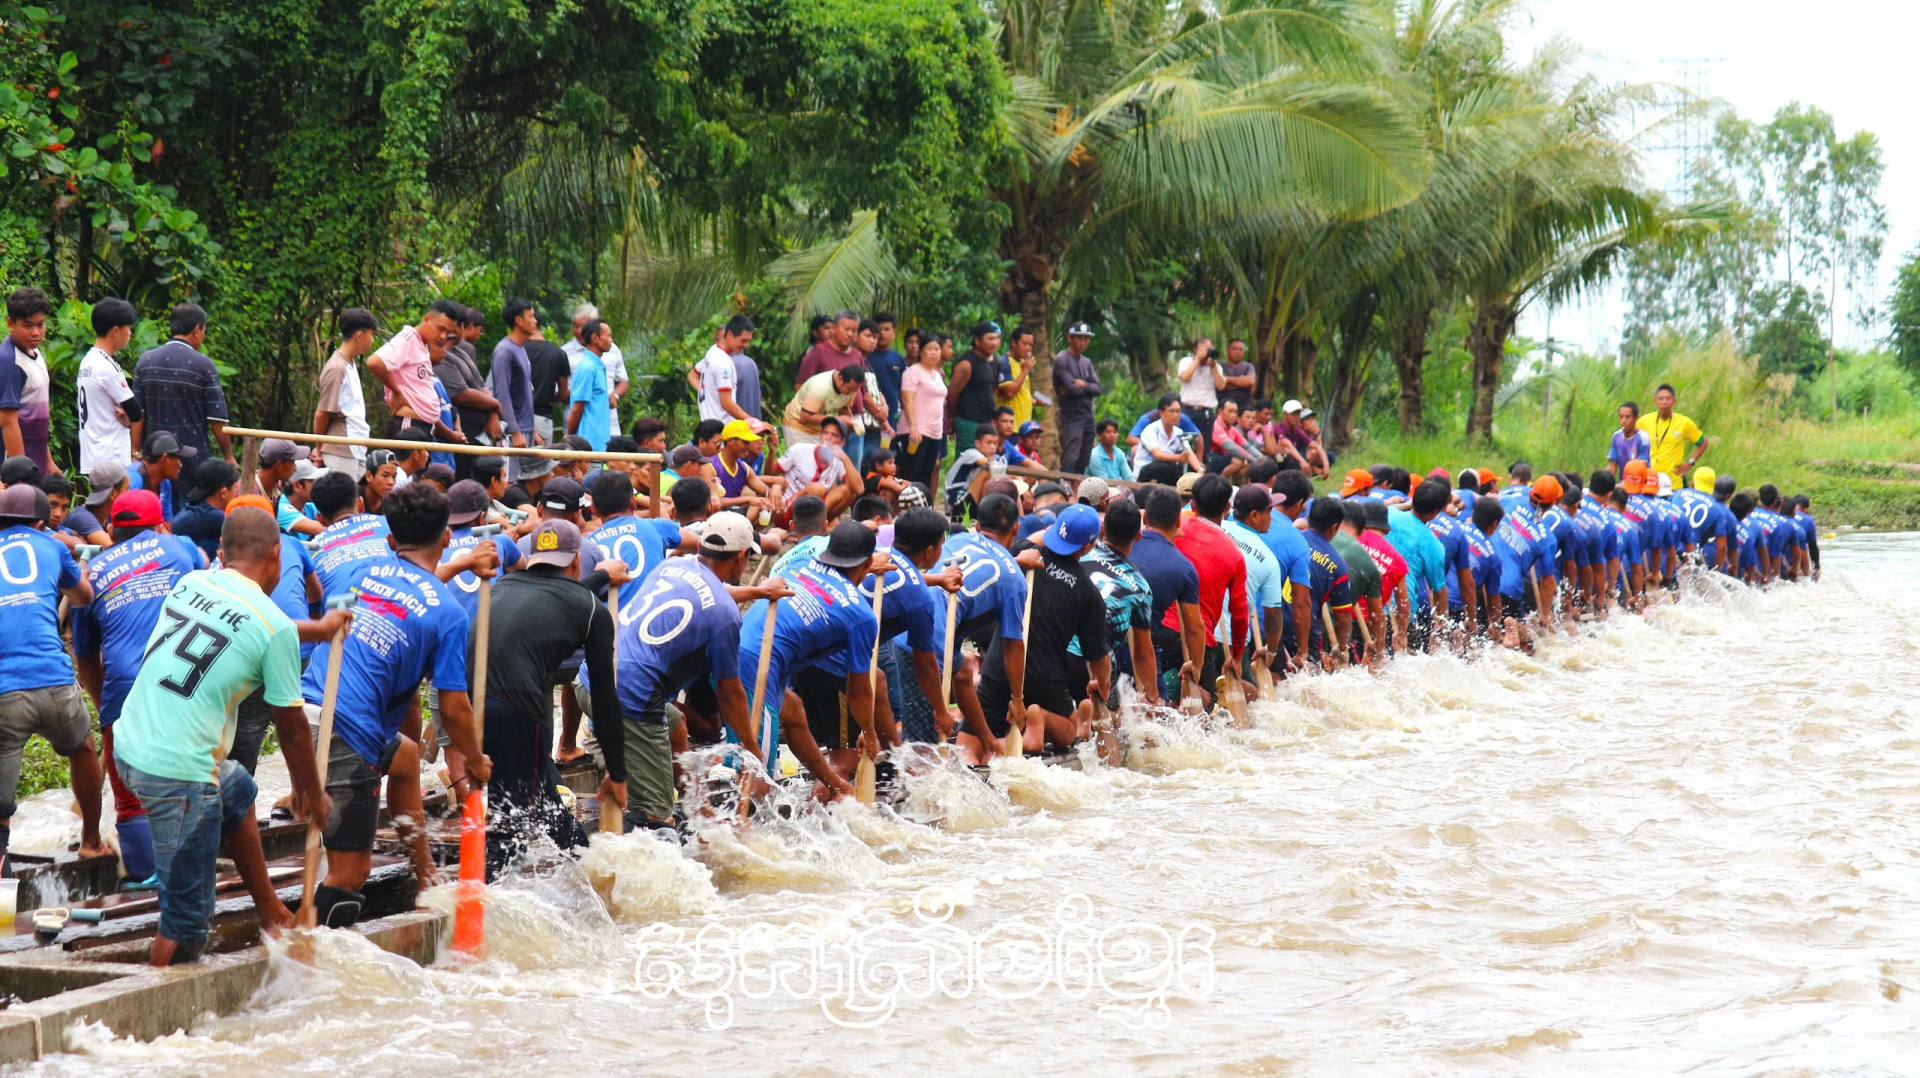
443	447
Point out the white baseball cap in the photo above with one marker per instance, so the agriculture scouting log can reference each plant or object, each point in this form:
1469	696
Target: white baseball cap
1291	407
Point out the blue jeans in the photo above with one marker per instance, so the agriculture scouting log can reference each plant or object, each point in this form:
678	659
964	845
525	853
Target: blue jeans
188	819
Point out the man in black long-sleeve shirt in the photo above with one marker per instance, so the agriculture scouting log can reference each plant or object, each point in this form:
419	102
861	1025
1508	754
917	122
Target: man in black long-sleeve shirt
540	615
1075	387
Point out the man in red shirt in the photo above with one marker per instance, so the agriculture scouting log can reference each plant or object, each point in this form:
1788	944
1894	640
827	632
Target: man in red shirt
1222	569
1392	566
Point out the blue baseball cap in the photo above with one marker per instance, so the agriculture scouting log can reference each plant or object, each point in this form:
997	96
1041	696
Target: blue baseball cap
1075	527
1029	427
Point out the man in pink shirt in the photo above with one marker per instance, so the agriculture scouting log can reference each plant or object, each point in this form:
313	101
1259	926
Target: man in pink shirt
404	368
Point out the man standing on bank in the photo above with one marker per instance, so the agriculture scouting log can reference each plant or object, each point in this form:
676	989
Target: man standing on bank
1076	385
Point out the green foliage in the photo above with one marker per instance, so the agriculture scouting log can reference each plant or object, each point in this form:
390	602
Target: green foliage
1903	313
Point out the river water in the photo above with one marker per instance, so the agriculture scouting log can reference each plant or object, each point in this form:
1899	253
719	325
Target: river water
1673	843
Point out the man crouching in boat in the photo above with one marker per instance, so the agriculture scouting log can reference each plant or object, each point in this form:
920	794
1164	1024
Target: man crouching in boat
822	648
684	626
915	607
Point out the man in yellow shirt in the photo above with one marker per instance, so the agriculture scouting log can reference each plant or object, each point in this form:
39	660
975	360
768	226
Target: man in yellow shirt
1015	389
1674	438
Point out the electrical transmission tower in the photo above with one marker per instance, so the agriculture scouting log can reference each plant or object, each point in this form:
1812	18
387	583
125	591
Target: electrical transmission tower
1690	132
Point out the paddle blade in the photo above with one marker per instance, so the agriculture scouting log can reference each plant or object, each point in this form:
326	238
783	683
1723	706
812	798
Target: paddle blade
470	912
1230	693
864	778
610	818
1014	744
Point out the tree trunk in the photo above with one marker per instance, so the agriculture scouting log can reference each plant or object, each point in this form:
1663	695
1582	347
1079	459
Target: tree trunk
1028	280
1487	341
1302	356
1409	366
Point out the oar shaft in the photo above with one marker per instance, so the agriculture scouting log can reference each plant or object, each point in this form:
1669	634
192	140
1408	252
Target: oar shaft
323	754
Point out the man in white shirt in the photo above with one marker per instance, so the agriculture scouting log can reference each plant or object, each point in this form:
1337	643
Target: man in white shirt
109	413
342	408
1200	389
716	376
615	362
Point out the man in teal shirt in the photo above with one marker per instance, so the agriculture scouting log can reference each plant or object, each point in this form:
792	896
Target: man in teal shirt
588	411
219	637
1407	533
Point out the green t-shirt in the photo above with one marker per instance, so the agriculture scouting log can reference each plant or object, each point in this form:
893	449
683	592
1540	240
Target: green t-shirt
1360	567
219	638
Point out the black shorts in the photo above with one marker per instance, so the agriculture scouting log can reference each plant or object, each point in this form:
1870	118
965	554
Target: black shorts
1050	694
824	697
354	786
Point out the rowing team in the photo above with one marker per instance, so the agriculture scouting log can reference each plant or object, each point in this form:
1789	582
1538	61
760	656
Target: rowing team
877	631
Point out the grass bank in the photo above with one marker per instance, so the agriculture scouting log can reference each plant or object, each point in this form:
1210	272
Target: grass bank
1847	469
1563	419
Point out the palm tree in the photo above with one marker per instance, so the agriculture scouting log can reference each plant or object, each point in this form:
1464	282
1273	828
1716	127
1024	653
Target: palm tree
1144	127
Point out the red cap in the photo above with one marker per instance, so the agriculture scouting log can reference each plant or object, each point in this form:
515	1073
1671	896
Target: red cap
1547	490
1440	473
135	509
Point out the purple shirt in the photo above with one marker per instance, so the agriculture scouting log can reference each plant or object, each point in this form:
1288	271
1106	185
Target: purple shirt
1624	449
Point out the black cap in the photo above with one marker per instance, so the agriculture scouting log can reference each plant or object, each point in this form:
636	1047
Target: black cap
210	476
466	503
18	504
1376	511
163	444
19	470
562	495
848	546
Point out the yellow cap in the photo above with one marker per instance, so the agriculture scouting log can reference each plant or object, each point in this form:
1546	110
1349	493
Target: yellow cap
1703	478
738	428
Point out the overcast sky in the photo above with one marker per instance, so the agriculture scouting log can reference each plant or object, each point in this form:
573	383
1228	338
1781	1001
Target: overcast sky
1853	58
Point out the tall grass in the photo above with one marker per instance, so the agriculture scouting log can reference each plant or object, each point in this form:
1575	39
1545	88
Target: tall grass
1564	420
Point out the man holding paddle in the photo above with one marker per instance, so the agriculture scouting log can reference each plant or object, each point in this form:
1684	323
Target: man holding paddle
219	637
408	625
1067	608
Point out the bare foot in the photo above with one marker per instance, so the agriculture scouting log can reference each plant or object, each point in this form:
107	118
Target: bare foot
428	876
1510	633
567	756
96	848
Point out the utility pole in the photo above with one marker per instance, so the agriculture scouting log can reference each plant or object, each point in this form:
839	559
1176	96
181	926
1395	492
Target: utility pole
1833	369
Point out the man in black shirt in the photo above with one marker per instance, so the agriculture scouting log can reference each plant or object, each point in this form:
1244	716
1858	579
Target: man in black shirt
1066	605
540	616
975	375
552	373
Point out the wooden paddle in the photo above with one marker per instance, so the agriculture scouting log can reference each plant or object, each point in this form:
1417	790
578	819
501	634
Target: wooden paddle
864	776
612	816
322	752
1189	690
469	912
1015	744
1106	736
760	698
1262	674
959	562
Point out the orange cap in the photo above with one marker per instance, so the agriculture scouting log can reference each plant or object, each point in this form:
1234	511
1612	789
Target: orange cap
1634	479
250	501
1356	481
1547	490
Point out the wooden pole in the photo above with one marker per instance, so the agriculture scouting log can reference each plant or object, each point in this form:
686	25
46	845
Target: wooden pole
445	447
612	819
1017	724
469	920
864	773
323	751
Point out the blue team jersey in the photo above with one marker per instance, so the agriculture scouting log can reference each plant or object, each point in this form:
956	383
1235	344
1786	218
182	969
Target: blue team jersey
1515	497
1451	531
825	624
1696	508
1809	531
993	589
1482	563
1748	532
346	546
684	625
407	625
34	569
466	586
1331	581
1295	557
290	591
1567	545
1527	521
639	543
1627	539
1679	534
131	581
911	607
1521	559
